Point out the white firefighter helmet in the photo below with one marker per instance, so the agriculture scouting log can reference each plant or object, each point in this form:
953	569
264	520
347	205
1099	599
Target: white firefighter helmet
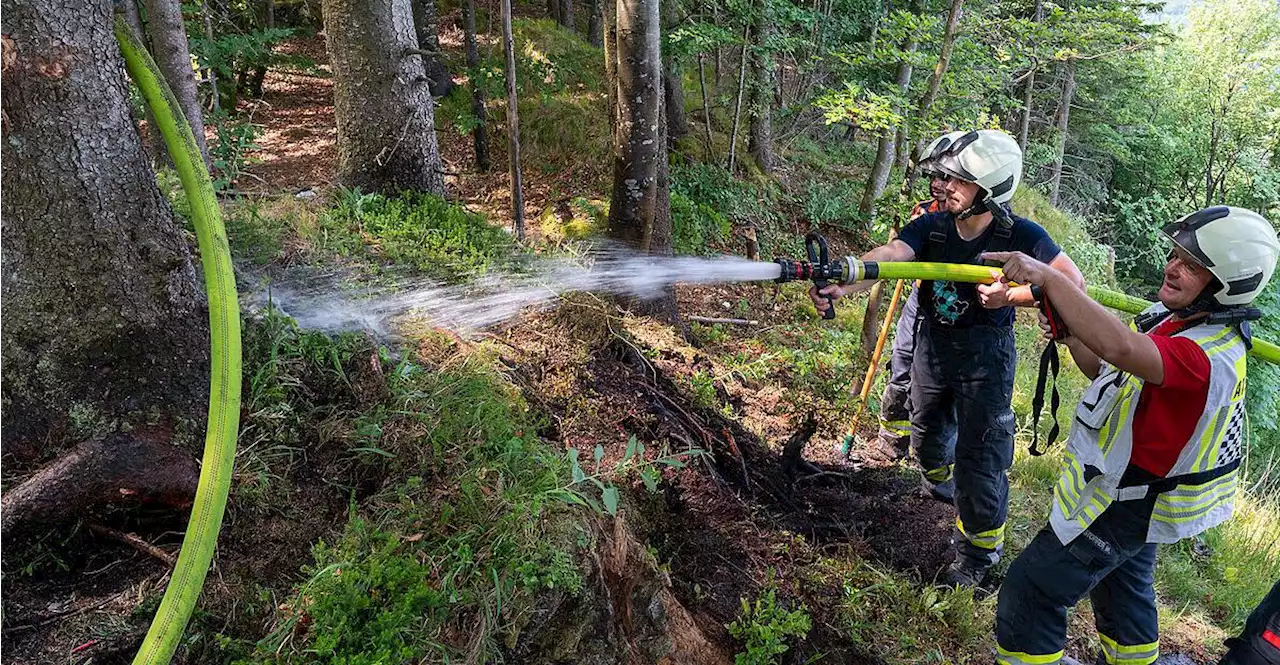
937	147
1237	245
988	157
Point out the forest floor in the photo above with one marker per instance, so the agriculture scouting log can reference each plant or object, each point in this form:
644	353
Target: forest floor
346	442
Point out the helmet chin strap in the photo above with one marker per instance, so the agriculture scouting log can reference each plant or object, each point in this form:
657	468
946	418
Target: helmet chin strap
979	206
1237	316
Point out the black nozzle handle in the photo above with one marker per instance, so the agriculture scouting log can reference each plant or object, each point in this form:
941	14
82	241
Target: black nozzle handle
816	247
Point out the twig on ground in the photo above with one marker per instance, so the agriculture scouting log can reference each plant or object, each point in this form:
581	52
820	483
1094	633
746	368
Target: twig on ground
712	319
133	541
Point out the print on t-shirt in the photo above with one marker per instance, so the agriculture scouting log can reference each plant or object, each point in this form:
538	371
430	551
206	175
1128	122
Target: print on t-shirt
948	306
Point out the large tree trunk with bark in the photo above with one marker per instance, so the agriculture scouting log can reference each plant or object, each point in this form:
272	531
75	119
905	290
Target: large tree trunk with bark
639	210
105	325
760	131
480	133
173	55
385	116
1062	124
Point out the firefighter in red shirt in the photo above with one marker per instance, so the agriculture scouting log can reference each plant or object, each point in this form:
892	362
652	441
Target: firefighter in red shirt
1157	441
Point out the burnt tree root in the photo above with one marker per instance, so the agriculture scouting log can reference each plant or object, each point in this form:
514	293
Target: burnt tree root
138	466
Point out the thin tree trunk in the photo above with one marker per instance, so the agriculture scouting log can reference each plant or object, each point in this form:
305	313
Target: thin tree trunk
210	75
931	92
172	54
706	108
1062	125
595	34
513	124
566	15
760	129
1024	124
553	11
737	107
153	141
260	74
886	155
425	26
385	116
480	133
673	91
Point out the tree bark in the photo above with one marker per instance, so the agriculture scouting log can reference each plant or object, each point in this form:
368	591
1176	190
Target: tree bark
513	124
480	133
211	75
260	74
425	22
1024	123
172	54
104	319
639	210
595	33
931	92
385	116
737	107
1062	123
566	15
760	130
673	90
886	155
706	109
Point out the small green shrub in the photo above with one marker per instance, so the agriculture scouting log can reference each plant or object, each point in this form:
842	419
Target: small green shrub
696	226
764	627
437	237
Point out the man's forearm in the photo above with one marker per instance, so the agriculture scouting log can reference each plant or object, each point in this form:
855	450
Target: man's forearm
1104	335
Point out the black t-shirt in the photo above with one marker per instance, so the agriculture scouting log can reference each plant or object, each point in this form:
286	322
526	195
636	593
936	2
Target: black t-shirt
956	304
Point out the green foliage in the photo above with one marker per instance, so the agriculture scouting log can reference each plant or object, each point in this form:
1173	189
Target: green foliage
832	204
696	226
425	231
230	152
712	190
765	626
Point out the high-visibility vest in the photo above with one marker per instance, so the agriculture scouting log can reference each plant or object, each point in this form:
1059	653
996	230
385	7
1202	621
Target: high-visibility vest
1199	491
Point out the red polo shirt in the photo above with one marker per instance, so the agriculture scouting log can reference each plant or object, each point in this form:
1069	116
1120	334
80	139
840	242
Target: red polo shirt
1167	414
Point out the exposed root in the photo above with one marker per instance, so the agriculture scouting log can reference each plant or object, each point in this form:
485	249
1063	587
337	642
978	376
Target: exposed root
122	467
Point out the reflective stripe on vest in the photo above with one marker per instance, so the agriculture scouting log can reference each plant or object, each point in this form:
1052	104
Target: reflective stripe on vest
1101	443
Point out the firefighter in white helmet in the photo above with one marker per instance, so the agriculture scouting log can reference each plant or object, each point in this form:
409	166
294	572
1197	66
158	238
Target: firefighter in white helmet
962	373
1156	443
894	438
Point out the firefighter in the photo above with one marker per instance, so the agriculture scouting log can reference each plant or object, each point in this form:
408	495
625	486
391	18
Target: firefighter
1158	437
895	404
1259	643
962	374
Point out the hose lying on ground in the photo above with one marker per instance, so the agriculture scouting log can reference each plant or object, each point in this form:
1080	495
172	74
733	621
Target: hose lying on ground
224	331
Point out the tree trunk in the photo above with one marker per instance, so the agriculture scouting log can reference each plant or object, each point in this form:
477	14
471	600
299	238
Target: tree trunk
105	320
480	133
513	124
210	75
886	155
673	90
639	209
169	47
760	130
706	109
566	15
1024	123
553	11
595	34
737	107
260	74
1062	123
425	21
385	116
944	58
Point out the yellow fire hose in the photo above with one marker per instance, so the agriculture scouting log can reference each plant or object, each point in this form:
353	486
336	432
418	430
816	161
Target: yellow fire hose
954	272
224	377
